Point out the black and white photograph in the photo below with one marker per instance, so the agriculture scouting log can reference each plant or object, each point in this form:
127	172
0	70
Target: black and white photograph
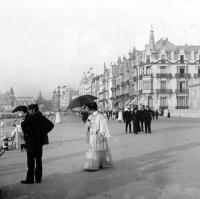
99	99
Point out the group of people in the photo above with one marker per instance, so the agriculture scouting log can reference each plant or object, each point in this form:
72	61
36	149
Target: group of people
141	119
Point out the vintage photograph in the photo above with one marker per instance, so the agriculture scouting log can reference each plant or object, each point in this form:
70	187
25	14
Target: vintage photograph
99	99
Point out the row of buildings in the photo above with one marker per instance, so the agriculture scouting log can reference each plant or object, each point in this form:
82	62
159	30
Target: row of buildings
163	76
8	100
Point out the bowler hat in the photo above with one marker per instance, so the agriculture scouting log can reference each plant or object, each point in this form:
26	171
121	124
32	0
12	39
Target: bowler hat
33	107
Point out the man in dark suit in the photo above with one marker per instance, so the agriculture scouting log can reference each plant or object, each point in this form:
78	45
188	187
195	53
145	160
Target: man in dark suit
147	119
35	127
127	119
141	118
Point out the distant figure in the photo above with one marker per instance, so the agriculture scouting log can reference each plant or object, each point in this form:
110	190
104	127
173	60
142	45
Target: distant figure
135	118
168	114
141	118
157	114
17	137
120	115
127	119
147	120
153	114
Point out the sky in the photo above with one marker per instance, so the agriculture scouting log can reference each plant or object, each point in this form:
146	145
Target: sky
46	43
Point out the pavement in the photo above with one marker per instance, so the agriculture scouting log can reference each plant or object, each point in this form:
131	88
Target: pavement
163	165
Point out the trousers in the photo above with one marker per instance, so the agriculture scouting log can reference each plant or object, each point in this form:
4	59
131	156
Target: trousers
34	163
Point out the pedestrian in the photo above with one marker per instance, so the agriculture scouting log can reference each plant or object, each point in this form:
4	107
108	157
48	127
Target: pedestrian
152	114
35	128
147	120
98	155
141	118
17	138
120	115
157	114
168	114
135	118
127	119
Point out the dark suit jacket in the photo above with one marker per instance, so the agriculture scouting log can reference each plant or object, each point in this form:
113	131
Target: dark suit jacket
127	116
36	127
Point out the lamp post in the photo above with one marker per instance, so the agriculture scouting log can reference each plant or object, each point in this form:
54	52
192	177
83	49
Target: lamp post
57	96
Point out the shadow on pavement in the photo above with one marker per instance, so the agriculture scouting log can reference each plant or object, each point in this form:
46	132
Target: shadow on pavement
85	184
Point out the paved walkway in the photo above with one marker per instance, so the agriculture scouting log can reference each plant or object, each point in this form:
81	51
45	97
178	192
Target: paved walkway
162	165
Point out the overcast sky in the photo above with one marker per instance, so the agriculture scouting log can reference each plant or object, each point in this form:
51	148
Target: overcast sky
46	43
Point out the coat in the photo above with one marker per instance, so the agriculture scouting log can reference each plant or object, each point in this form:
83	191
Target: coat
127	116
36	127
147	116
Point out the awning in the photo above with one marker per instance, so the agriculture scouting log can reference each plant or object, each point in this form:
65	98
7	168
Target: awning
143	101
134	101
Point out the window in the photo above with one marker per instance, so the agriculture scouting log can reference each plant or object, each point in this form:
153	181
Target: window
162	58
163	85
147	85
198	71
150	101
148	69
181	86
163	69
148	59
182	59
182	102
182	70
163	102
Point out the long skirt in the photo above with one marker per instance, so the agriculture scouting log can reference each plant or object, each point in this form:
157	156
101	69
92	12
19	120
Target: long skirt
99	154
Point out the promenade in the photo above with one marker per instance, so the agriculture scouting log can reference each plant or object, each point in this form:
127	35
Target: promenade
163	165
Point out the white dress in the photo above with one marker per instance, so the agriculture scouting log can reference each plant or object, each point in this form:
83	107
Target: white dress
99	153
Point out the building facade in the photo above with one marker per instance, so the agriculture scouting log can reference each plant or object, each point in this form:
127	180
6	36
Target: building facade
158	76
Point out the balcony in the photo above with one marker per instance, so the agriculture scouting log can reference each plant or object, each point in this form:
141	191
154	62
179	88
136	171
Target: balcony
164	75
197	75
164	91
183	91
182	107
146	76
163	107
182	75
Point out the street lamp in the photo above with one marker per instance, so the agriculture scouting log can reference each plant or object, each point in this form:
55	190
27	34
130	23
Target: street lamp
57	96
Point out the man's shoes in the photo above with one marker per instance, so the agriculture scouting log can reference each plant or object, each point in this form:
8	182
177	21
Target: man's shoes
38	181
26	182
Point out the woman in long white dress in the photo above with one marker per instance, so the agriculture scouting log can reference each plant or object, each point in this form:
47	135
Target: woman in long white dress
98	155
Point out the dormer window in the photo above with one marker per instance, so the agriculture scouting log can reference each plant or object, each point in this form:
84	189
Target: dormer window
148	70
182	59
148	59
162	58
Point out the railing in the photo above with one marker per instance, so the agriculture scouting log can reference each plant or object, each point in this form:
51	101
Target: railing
163	107
164	75
167	91
182	107
197	75
182	75
183	91
146	75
